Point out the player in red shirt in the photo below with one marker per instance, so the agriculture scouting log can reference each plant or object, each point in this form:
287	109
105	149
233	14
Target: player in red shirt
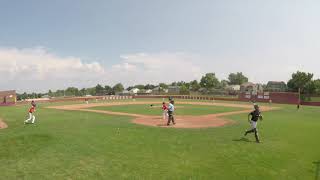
165	111
32	118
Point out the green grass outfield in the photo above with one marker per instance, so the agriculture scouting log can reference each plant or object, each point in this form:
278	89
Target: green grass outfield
181	109
85	145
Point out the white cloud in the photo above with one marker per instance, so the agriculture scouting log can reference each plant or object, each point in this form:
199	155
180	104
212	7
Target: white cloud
157	67
38	70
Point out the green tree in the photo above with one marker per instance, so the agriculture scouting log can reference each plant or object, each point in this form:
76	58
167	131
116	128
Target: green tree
139	86
108	90
149	86
300	80
194	85
39	95
182	83
209	81
224	83
184	90
310	87
50	93
59	93
83	92
317	86
174	84
118	88
129	88
163	86
71	91
237	78
24	95
91	91
99	89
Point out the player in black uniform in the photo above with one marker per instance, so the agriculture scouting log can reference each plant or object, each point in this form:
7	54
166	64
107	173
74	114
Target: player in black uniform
255	116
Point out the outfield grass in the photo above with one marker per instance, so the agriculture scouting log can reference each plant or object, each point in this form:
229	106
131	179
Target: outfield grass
85	145
181	109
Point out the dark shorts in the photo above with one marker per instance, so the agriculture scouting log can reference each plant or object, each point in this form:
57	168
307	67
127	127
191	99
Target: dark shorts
170	113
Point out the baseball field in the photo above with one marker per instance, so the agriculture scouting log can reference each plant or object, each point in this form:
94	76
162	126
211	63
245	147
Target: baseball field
126	139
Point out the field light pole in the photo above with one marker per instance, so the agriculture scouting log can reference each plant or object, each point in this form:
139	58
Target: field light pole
299	101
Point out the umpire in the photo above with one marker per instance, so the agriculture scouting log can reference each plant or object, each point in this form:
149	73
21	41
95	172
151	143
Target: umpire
171	113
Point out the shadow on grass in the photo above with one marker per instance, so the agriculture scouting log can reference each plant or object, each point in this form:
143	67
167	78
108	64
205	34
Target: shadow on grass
317	172
243	139
162	125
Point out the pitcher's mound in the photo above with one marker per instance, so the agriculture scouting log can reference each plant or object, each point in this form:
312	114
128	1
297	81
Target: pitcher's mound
184	121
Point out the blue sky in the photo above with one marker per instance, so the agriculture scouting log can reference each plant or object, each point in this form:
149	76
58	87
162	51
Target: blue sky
147	41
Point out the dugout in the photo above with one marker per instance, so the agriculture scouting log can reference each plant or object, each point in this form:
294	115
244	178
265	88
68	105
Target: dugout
8	97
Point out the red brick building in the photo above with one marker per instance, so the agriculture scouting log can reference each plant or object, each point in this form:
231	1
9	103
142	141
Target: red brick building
8	97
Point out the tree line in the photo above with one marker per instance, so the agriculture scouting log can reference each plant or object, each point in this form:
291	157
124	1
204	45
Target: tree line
209	82
305	82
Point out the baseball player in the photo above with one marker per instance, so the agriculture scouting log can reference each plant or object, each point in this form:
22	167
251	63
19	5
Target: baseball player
171	113
255	116
165	111
32	118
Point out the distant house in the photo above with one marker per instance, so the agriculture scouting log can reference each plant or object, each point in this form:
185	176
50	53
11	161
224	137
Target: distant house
46	96
8	97
246	87
276	86
251	87
124	93
158	90
232	89
134	91
174	89
148	91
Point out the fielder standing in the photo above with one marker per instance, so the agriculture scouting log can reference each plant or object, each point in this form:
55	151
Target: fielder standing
255	116
31	111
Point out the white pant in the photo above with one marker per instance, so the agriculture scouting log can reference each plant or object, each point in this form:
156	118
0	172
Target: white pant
254	124
31	117
165	115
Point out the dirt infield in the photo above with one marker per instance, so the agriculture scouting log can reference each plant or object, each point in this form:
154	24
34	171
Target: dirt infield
203	121
3	125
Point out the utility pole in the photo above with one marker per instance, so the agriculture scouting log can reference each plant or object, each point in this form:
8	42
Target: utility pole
299	101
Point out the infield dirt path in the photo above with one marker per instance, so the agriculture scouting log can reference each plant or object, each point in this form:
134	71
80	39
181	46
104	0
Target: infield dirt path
202	121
